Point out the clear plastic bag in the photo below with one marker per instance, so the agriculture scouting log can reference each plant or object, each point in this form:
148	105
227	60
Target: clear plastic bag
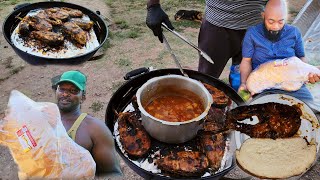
39	143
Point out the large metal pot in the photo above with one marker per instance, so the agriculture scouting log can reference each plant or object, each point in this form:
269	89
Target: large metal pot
11	22
165	131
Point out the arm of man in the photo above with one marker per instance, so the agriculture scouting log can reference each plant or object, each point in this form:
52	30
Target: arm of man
245	70
103	150
246	62
299	51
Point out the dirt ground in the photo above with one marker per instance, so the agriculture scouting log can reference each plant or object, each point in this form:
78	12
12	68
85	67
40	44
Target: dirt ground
126	50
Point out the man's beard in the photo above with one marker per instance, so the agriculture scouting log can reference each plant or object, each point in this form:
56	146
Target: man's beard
273	36
67	107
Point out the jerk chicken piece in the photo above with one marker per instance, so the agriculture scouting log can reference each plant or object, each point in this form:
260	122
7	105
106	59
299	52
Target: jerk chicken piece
275	120
220	99
75	33
133	137
215	120
213	146
45	16
48	37
37	23
24	29
85	25
184	163
57	13
73	12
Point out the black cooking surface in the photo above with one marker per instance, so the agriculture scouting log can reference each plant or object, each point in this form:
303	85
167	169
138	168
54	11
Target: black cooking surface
122	98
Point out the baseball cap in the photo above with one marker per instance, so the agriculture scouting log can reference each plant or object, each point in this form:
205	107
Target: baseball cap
75	77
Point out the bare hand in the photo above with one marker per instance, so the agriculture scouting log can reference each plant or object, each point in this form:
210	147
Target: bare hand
313	78
244	92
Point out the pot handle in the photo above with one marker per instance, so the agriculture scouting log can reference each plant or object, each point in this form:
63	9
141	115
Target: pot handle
136	72
21	6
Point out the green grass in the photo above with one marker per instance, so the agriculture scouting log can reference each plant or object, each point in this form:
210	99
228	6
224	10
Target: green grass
122	24
180	25
6	3
122	62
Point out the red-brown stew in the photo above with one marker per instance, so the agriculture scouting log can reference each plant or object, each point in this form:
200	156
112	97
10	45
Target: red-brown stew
175	108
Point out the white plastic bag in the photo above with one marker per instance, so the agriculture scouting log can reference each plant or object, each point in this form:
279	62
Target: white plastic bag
39	142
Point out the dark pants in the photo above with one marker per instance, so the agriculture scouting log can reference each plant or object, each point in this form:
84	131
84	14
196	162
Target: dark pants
220	44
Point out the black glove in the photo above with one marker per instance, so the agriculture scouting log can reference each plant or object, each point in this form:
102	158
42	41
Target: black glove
155	17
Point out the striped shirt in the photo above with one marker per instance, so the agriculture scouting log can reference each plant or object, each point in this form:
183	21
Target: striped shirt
234	14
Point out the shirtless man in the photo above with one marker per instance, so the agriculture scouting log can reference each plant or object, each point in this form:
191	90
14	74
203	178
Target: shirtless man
90	133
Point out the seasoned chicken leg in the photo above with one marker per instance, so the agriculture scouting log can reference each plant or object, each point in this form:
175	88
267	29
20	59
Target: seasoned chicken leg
75	32
85	25
50	38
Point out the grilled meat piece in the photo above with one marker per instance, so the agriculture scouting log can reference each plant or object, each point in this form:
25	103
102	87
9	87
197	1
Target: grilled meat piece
75	33
85	25
45	16
220	99
215	120
213	146
24	29
184	163
57	13
48	37
275	120
133	137
37	23
73	12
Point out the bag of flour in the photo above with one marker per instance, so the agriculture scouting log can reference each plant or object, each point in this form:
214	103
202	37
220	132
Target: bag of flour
39	143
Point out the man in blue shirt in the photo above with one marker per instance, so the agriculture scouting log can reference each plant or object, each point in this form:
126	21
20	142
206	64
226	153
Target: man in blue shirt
273	40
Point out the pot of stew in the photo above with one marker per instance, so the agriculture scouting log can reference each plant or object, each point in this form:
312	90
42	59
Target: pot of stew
173	107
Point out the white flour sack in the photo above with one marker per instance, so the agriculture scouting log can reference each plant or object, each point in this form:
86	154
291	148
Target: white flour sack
40	144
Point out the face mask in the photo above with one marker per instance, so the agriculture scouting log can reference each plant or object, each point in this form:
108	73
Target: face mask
273	36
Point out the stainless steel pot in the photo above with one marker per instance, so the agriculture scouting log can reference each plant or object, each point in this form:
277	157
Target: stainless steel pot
172	132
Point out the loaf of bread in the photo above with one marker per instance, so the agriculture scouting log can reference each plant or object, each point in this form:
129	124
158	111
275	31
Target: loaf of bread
280	158
39	143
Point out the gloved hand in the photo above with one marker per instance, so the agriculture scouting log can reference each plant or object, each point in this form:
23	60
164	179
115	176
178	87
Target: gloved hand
155	17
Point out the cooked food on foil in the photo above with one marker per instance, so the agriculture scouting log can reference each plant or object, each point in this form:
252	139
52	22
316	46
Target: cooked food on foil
184	163
175	108
274	159
48	37
75	33
57	32
85	25
133	137
287	74
203	156
275	120
213	146
220	99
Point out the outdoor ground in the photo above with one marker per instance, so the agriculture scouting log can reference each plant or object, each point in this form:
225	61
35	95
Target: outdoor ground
130	45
